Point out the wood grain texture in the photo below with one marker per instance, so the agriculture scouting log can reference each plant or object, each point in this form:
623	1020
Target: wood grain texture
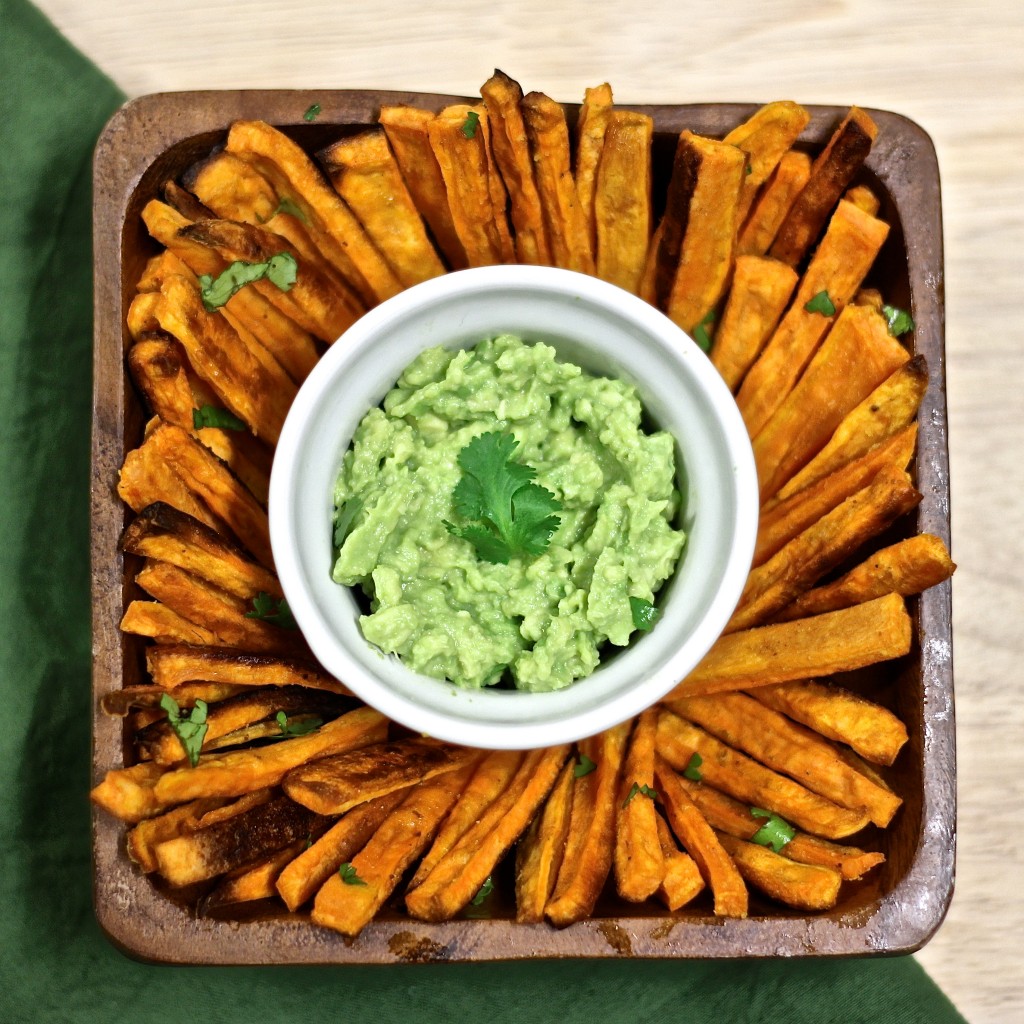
955	69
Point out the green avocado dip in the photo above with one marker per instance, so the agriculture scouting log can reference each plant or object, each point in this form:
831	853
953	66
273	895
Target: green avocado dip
586	495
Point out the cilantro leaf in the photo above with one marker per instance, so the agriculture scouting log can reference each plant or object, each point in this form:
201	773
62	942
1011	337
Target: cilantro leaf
644	613
348	875
312	112
821	303
692	769
470	125
516	516
485	890
212	416
642	790
288	206
775	832
899	321
190	729
267	609
298	727
346	517
281	270
584	766
700	332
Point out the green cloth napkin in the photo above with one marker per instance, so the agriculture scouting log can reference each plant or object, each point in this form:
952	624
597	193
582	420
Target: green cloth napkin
55	964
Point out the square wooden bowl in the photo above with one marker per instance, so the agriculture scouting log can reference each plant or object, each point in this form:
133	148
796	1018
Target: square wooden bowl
895	909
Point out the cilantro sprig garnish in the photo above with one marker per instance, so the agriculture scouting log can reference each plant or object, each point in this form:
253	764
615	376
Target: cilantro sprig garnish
213	416
485	890
644	613
285	205
514	515
775	832
701	333
349	876
345	519
899	321
584	766
645	790
269	609
190	729
297	726
692	769
280	270
312	112
470	125
821	303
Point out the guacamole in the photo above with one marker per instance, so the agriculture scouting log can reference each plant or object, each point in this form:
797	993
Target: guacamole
539	621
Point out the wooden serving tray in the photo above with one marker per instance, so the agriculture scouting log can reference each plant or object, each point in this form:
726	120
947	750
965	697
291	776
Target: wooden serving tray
895	909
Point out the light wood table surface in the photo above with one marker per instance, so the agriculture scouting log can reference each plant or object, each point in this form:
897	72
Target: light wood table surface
955	68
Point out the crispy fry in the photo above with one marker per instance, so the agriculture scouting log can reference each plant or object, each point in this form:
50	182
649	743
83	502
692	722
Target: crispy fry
749	725
682	881
307	872
458	876
502	96
251	882
907	567
639	863
333	785
700	841
784	520
872	731
804	886
147	696
832	171
622	200
591	126
825	544
539	853
837	641
772	204
379	866
838	266
165	626
564	220
364	172
760	291
887	410
141	319
747	780
128	793
242	771
406	129
862	196
590	846
856	356
144	838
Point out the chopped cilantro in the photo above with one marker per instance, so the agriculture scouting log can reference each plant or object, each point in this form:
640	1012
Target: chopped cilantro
268	609
644	613
692	769
700	332
190	729
899	321
642	790
288	206
775	832
584	766
821	303
346	516
281	270
212	416
299	727
485	890
515	516
312	112
470	125
348	875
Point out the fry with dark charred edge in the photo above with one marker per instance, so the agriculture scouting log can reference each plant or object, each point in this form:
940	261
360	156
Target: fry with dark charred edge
364	172
772	204
639	864
682	881
591	125
250	882
144	838
700	841
406	129
147	697
840	641
502	96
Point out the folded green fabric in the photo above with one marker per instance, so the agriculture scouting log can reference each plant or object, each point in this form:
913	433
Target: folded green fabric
56	964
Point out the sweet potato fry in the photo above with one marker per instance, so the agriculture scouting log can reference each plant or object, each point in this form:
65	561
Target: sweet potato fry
837	268
804	886
825	544
907	567
307	872
141	318
862	196
502	96
591	125
406	129
242	771
333	785
347	907
364	172
639	864
622	200
565	223
700	841
872	731
144	838
146	696
787	747
832	171
250	882
165	626
590	846
129	793
458	876
760	291
837	641
784	520
772	203
856	356
747	780
886	411
539	853
682	881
